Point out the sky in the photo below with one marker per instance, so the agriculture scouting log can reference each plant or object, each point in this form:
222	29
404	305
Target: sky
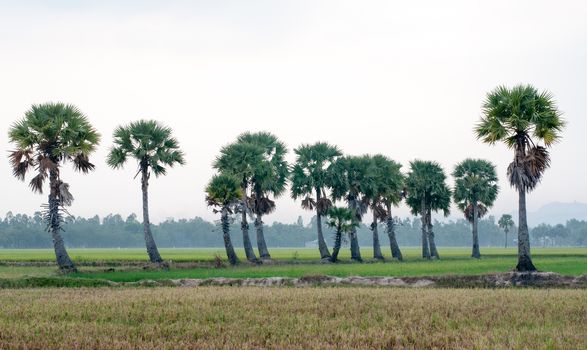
405	79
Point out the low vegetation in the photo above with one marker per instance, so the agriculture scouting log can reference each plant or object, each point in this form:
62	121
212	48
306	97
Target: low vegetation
131	265
297	318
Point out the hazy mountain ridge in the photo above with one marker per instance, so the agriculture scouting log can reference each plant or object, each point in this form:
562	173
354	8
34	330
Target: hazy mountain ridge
556	213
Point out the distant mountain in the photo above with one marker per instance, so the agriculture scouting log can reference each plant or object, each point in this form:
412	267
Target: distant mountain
557	213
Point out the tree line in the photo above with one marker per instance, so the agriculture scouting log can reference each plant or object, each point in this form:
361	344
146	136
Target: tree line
252	172
114	231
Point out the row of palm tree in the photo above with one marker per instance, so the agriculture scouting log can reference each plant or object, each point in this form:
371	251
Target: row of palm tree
53	134
252	172
322	175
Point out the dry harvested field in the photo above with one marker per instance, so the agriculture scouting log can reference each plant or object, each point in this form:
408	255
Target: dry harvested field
297	318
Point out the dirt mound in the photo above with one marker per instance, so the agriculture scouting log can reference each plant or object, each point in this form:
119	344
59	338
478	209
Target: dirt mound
500	280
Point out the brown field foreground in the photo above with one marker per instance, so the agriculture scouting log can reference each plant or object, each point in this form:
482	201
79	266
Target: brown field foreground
297	318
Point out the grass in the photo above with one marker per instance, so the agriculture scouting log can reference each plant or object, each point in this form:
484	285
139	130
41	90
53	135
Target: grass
92	255
296	318
292	263
346	317
563	265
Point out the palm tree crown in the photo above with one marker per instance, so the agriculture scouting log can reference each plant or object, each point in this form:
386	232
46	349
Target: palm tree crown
426	180
239	159
505	222
270	173
520	117
223	191
475	183
352	178
342	219
149	142
388	185
48	135
310	174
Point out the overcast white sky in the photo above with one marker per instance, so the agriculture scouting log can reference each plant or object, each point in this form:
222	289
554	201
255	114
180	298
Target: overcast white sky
405	79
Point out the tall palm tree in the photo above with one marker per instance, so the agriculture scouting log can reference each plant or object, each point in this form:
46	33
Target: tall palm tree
48	136
342	220
240	160
505	223
386	192
522	117
474	192
427	192
224	193
352	179
310	176
269	179
154	148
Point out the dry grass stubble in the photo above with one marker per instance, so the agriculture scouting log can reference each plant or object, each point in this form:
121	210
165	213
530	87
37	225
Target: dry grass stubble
298	318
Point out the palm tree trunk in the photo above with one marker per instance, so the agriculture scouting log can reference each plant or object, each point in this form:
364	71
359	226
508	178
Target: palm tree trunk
337	242
376	246
506	239
324	253
63	260
263	252
232	258
476	253
395	251
433	250
425	249
152	250
524	257
355	249
249	252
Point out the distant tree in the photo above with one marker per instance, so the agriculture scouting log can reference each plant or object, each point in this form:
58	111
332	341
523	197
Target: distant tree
223	193
342	220
474	193
427	192
506	223
521	117
268	180
48	136
300	221
240	160
154	148
385	193
352	179
310	176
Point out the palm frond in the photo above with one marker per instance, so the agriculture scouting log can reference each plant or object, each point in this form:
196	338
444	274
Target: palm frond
65	197
36	183
468	212
21	161
308	203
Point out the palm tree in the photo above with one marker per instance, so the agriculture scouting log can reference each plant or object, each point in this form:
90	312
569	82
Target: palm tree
474	193
352	178
240	160
427	192
387	192
310	175
342	220
505	223
269	179
49	135
521	117
151	144
224	193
